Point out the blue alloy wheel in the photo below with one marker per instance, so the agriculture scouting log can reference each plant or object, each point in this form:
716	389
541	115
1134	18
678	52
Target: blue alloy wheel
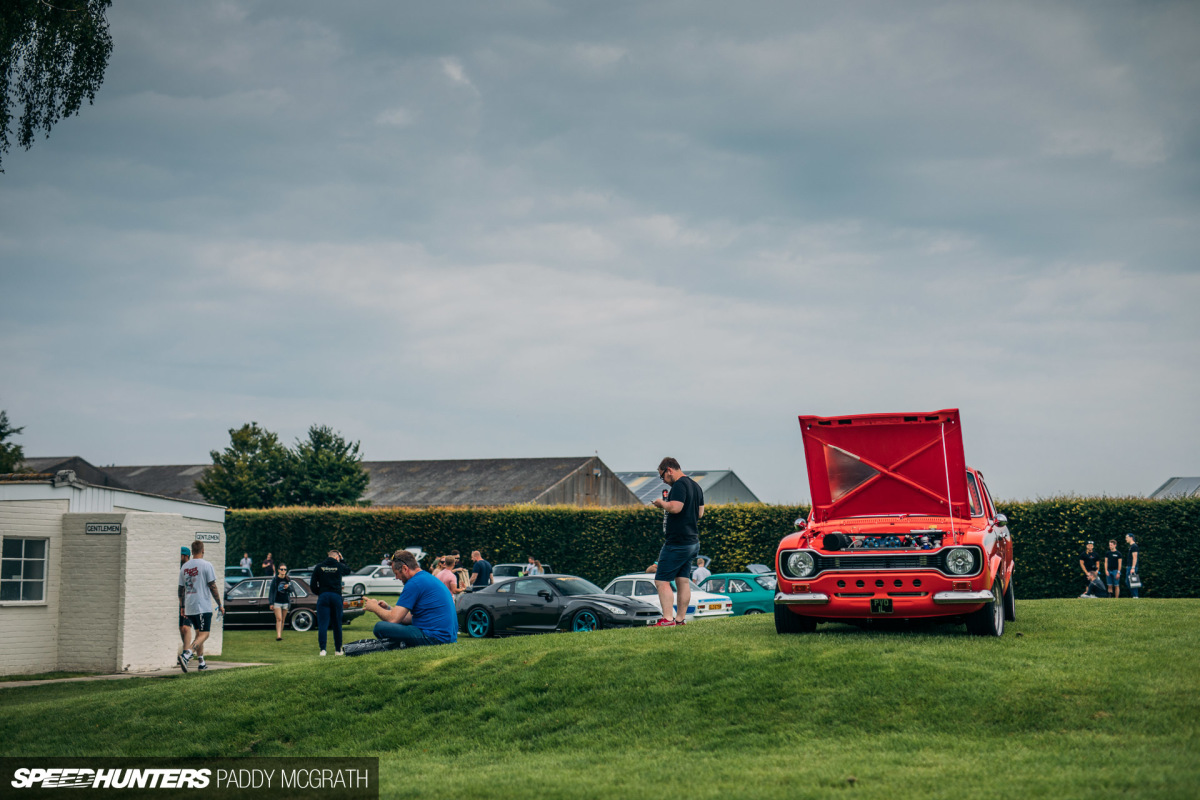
585	620
479	623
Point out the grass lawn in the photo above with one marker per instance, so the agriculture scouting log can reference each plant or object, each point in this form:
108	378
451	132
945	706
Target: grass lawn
1093	699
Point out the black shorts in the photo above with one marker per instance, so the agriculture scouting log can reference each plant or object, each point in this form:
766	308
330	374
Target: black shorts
676	560
201	622
184	622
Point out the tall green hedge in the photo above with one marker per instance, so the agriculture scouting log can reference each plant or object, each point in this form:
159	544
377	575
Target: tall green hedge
599	544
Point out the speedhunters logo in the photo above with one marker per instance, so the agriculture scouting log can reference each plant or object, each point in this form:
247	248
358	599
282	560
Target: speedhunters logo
74	778
348	778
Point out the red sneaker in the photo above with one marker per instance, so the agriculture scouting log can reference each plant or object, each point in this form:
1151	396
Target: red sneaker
665	623
681	622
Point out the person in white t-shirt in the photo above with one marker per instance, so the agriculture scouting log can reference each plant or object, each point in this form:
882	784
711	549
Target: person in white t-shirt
197	593
246	562
701	573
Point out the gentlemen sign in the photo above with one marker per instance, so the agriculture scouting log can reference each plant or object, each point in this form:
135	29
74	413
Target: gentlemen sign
208	537
102	528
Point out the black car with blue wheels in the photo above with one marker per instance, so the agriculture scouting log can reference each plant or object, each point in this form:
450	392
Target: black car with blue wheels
546	603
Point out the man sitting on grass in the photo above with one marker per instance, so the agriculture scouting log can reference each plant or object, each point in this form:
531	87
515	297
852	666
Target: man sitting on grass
424	613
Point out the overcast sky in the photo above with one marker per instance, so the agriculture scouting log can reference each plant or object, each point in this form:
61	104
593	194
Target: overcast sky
474	230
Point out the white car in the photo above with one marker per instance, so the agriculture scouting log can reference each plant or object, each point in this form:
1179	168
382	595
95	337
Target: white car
373	579
703	605
515	570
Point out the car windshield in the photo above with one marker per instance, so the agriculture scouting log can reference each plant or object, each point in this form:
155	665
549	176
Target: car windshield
506	571
367	570
573	587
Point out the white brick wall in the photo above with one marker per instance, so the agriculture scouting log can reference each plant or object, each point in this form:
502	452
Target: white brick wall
150	636
111	601
90	598
29	633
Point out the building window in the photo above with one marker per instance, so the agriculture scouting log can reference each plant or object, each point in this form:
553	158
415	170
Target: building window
23	570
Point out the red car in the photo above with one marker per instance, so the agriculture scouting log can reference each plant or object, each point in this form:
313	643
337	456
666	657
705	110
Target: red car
900	528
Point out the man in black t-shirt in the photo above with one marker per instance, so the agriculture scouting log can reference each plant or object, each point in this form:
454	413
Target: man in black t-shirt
1089	562
1112	569
481	571
1131	569
682	509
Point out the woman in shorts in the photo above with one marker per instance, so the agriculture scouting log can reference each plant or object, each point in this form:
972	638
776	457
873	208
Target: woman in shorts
281	598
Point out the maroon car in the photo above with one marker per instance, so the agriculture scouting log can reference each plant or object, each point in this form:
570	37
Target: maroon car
246	605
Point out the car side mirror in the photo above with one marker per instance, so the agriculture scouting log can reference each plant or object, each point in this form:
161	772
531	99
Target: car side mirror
1001	520
545	593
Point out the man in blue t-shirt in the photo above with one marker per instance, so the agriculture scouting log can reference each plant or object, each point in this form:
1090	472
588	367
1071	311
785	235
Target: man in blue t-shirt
424	613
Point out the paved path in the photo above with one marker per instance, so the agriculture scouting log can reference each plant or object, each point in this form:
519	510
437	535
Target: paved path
162	673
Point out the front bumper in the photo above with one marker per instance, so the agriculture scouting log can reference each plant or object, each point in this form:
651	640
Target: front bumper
803	599
962	598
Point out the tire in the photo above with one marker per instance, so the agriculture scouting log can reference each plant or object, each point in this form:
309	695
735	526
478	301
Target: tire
479	623
750	611
358	589
1010	603
787	622
585	620
302	620
989	620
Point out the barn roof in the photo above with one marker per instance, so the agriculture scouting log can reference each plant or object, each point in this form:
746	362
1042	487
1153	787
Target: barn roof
1176	488
647	485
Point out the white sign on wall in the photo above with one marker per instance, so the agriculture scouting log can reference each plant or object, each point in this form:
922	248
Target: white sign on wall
102	528
208	537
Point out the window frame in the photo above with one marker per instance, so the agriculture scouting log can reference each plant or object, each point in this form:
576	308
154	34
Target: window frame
45	580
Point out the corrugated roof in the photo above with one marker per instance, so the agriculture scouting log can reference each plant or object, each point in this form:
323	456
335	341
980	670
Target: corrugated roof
647	485
1176	488
170	480
467	482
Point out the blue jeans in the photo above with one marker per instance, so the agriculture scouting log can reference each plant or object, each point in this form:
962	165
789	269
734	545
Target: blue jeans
329	608
411	635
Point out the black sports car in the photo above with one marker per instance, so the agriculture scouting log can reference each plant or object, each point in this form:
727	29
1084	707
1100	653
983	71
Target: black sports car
548	603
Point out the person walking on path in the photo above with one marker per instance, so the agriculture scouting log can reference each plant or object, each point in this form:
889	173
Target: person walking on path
1089	562
327	586
424	613
1112	569
481	571
682	509
1132	569
185	625
280	595
268	565
197	584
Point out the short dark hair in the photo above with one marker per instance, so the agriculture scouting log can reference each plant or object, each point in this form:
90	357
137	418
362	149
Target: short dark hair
668	463
197	547
405	558
1112	541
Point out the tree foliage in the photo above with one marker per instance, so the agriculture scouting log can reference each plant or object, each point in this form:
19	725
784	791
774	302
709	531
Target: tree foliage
257	471
54	53
250	473
11	453
326	470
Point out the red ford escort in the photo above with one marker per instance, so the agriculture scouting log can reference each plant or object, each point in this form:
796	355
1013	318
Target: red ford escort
900	528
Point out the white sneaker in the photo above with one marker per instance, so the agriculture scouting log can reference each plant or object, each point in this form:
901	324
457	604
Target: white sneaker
322	652
338	653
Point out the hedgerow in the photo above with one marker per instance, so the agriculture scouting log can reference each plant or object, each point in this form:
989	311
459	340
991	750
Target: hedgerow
600	543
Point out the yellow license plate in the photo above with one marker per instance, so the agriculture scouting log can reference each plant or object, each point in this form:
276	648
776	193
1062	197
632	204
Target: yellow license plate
714	606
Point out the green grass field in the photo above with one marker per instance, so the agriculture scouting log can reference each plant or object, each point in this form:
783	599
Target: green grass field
1093	698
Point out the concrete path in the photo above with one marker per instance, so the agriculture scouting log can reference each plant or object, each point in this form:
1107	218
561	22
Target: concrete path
162	673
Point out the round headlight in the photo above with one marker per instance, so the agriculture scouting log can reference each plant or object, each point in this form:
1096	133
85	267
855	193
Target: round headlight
800	564
960	561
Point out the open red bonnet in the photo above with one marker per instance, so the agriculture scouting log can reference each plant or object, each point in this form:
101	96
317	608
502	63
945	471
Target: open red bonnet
886	464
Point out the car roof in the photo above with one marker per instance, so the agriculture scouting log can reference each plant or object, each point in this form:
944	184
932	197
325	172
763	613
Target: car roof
739	575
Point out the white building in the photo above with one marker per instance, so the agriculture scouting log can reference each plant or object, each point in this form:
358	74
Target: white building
89	574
